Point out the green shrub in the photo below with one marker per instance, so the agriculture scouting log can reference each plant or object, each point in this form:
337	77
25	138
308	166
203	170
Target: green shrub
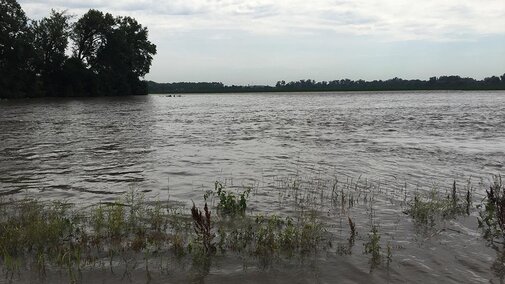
229	203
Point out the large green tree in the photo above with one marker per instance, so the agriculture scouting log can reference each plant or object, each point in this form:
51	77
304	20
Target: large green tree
139	50
116	50
51	38
126	56
90	33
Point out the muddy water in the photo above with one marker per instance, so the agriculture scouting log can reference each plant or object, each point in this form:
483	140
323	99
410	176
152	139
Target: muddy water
91	150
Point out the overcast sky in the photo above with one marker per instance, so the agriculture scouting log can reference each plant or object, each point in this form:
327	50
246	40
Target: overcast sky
262	41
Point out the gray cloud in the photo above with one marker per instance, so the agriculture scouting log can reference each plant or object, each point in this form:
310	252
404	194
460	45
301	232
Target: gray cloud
393	19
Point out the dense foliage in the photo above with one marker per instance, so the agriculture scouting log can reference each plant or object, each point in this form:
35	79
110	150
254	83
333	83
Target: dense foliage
395	84
109	54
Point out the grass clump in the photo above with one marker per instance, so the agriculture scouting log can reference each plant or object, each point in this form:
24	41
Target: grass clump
427	210
229	203
256	235
492	212
272	237
47	232
373	247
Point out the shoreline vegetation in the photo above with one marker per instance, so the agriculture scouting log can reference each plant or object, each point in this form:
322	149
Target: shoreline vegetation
97	54
343	85
136	235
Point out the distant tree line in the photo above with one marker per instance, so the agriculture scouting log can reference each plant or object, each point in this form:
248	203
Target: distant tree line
96	55
395	84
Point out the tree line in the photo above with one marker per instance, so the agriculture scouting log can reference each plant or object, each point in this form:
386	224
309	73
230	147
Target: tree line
395	84
97	55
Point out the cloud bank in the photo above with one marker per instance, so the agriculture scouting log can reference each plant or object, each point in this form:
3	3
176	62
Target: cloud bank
390	19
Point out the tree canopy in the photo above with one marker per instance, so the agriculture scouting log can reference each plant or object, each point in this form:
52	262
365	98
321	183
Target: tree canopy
97	55
90	33
16	52
309	85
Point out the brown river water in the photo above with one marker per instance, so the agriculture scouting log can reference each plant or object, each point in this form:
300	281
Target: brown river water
89	150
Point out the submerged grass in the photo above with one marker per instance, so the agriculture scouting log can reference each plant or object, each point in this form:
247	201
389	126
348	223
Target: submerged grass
428	210
492	212
43	236
373	247
132	231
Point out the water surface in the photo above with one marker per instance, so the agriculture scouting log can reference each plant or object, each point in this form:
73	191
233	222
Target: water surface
93	149
84	148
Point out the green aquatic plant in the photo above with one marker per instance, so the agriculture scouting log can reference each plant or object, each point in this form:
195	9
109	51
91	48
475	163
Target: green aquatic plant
273	235
47	232
116	221
267	235
492	212
229	203
427	209
373	247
